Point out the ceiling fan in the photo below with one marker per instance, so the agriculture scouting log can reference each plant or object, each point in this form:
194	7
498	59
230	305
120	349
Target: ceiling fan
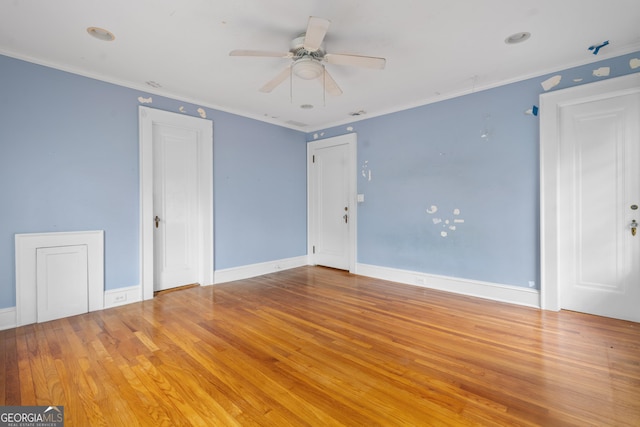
308	57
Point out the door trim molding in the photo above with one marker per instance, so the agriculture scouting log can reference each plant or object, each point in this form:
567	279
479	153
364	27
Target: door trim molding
550	106
351	139
146	119
26	246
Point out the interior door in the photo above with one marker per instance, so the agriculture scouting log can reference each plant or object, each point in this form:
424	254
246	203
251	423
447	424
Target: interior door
332	210
175	203
599	195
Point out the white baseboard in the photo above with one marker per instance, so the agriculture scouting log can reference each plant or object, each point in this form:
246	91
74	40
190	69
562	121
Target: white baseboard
7	318
493	291
121	296
254	270
112	298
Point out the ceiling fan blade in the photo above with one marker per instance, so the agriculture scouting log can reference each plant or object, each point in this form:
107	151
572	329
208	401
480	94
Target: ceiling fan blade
263	53
316	30
355	60
330	85
277	80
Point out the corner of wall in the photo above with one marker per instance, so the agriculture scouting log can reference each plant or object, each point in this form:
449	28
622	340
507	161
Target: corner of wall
8	318
254	270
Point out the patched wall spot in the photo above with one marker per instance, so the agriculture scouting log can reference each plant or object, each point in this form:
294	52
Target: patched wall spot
551	82
602	72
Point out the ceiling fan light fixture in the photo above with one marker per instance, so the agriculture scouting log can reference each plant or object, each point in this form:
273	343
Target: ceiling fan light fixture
307	68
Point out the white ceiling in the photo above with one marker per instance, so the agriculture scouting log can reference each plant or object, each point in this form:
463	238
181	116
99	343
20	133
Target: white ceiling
434	49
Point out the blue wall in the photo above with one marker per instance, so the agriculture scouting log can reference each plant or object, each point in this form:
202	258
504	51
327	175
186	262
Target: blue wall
69	162
435	155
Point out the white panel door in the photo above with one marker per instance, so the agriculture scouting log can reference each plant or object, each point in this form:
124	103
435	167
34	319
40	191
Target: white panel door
62	284
332	214
599	195
175	200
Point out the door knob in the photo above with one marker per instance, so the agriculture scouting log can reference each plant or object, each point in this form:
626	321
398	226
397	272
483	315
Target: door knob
157	220
634	227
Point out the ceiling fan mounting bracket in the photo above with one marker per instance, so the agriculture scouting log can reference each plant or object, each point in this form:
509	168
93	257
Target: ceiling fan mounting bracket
299	51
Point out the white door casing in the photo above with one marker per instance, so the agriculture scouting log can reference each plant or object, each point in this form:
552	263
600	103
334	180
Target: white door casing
26	252
332	202
175	200
148	117
589	258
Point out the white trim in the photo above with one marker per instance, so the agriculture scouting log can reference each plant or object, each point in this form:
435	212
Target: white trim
7	318
587	59
475	288
550	107
121	296
254	270
26	246
351	139
147	117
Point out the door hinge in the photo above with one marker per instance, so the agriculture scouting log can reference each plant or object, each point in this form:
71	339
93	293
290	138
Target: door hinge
314	249
313	158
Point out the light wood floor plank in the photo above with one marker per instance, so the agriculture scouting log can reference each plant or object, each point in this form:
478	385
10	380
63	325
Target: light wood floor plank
319	347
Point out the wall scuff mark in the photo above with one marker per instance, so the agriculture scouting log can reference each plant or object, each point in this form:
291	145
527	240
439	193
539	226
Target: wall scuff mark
142	100
202	113
181	109
634	63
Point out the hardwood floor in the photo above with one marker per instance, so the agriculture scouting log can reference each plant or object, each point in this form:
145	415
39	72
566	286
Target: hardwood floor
320	347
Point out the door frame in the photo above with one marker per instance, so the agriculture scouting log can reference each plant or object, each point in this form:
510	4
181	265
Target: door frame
351	139
550	107
147	117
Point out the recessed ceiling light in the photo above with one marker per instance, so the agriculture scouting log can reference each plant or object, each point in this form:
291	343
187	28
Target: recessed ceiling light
101	34
517	38
306	106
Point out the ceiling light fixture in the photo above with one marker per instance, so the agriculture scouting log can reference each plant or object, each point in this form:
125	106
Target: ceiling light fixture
517	38
101	34
307	68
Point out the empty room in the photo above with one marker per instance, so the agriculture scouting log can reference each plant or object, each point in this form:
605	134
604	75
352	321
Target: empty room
305	213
